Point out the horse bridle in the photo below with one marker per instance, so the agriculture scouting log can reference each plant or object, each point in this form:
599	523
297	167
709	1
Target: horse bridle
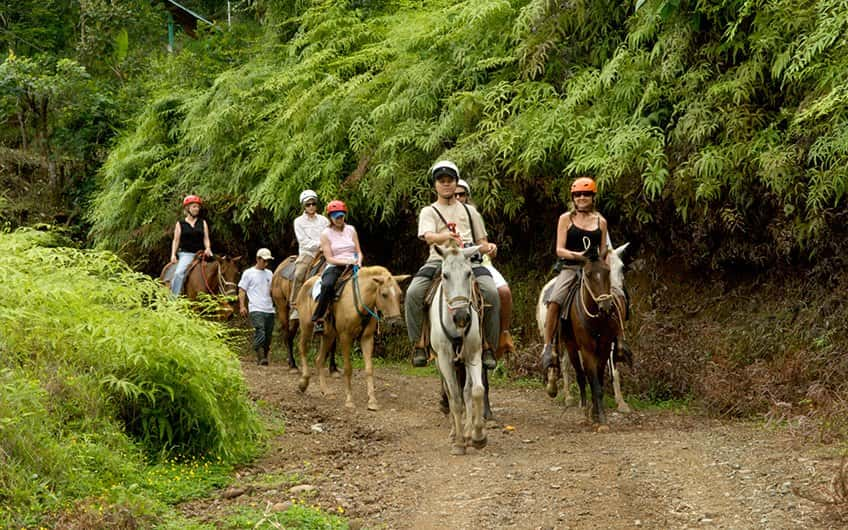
225	287
464	302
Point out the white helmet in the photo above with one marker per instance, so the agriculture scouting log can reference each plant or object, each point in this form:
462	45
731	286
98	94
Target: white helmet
462	184
444	167
306	195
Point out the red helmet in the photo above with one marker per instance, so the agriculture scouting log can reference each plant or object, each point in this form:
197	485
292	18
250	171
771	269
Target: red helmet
192	199
584	184
336	206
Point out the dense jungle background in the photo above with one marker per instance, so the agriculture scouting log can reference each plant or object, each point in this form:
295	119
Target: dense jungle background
717	131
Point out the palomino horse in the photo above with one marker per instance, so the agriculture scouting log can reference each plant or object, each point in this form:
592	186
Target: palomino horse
217	276
616	286
372	295
280	293
593	325
456	338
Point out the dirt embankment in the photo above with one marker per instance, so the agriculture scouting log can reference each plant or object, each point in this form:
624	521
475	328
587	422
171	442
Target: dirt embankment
544	467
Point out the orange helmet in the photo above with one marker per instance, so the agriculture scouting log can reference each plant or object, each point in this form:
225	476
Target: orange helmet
192	199
336	206
584	184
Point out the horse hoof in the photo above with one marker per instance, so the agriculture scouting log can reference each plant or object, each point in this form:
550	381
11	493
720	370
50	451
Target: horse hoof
551	388
479	444
624	408
349	405
602	428
335	374
373	406
304	383
294	370
571	402
458	450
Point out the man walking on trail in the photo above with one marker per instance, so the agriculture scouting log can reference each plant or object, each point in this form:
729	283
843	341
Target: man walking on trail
255	292
438	223
307	230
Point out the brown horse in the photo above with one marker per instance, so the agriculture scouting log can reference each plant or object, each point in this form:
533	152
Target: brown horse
588	336
372	295
216	277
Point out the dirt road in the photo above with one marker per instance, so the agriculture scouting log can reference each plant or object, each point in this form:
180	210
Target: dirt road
544	467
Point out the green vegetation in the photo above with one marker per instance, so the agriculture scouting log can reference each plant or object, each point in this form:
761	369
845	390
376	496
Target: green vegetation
100	373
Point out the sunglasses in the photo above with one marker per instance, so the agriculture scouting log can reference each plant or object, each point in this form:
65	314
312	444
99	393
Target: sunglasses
460	194
311	204
582	194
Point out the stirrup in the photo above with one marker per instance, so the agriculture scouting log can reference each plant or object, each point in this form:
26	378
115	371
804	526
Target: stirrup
419	357
547	357
318	328
489	361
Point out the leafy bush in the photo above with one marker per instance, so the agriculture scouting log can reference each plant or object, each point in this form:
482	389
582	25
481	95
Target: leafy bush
100	367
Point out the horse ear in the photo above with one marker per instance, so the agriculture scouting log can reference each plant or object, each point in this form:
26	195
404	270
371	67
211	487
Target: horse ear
440	251
379	279
401	277
619	251
470	251
235	259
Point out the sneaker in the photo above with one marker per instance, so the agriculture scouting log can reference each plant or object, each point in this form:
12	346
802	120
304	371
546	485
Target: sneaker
294	315
489	361
419	358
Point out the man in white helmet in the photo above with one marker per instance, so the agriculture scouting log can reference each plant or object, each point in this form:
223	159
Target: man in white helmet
307	229
438	223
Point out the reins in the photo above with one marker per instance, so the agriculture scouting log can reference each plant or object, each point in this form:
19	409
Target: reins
357	297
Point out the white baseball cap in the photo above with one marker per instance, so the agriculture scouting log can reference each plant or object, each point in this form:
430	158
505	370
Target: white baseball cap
264	253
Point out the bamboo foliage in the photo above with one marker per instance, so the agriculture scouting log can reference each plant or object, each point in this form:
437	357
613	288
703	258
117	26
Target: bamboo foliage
690	106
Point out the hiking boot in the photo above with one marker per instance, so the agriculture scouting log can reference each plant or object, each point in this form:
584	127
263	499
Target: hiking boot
547	357
261	358
294	315
319	327
489	361
419	357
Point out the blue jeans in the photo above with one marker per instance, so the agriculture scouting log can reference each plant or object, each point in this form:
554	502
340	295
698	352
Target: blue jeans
263	329
184	259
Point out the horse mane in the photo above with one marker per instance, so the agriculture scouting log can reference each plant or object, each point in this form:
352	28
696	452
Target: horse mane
372	271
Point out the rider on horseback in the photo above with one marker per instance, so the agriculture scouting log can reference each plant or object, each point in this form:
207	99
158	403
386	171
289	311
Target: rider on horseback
340	245
505	344
307	229
438	223
190	237
581	232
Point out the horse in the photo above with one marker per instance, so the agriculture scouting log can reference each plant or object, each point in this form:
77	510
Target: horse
594	322
617	286
217	276
280	293
455	336
372	295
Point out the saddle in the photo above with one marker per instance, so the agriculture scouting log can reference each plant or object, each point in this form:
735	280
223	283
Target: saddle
167	274
316	266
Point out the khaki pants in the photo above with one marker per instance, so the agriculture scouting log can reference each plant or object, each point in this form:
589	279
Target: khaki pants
301	267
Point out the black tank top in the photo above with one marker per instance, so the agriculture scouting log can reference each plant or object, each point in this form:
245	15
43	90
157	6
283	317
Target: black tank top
191	237
575	239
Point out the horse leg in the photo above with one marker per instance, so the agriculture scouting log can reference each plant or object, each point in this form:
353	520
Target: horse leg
290	327
487	407
455	400
474	417
327	340
570	400
366	342
552	375
621	405
579	372
598	415
304	341
334	369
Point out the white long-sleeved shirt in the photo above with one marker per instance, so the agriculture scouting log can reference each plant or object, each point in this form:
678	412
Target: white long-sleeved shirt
308	232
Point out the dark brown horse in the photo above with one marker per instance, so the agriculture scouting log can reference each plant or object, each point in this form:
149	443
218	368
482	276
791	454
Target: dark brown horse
217	276
589	334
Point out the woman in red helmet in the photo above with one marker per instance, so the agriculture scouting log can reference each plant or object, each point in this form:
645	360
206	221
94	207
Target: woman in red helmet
191	235
340	246
580	232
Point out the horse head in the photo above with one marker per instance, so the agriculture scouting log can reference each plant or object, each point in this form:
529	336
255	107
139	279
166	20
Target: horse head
228	274
457	282
596	281
388	299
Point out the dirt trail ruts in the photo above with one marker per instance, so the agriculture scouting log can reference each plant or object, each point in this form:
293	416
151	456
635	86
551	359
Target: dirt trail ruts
547	469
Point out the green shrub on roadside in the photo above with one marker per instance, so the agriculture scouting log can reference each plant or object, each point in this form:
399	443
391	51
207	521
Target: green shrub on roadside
99	370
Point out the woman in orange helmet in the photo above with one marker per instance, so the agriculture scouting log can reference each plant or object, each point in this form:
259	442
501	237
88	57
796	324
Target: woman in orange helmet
340	245
191	235
580	232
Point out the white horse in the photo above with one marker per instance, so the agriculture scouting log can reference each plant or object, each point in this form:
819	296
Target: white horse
617	288
455	337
